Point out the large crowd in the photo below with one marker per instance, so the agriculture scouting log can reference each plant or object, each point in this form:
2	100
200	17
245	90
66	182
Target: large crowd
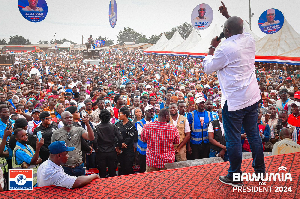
102	110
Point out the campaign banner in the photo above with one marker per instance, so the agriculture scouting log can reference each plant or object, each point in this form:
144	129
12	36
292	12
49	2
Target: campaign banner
202	16
99	43
112	13
33	10
20	179
271	21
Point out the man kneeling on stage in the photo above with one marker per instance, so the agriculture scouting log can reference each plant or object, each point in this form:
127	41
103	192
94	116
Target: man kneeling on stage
51	172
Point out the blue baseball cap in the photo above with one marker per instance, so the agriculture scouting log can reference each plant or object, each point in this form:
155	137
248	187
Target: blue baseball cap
59	147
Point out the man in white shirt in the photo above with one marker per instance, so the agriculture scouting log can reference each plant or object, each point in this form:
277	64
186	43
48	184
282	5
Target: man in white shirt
234	63
52	173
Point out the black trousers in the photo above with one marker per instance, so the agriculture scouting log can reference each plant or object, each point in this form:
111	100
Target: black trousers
142	162
126	162
200	151
107	160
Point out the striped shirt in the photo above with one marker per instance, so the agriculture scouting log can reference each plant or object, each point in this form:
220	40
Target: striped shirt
160	138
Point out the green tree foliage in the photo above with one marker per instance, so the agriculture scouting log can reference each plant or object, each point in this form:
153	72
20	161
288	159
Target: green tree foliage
154	38
61	41
184	30
130	35
18	40
3	42
43	42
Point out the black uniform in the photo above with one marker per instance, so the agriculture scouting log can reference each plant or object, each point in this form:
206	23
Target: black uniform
46	134
130	136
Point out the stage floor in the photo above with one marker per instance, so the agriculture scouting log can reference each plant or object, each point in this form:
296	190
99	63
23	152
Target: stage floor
190	182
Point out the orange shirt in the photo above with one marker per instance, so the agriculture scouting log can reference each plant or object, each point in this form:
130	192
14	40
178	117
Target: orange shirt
52	113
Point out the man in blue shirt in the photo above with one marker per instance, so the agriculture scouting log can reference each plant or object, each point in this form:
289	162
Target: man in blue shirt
24	156
199	120
4	118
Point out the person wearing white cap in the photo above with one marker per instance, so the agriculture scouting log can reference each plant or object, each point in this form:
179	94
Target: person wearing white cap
270	18
201	12
201	20
199	120
142	146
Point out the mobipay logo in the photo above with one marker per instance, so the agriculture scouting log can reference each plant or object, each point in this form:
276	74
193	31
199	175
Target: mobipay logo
20	179
238	177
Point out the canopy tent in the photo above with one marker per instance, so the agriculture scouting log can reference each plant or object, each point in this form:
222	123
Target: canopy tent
280	47
167	48
163	39
247	29
193	39
65	45
201	49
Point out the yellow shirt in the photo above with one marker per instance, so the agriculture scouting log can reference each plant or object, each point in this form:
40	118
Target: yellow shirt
285	146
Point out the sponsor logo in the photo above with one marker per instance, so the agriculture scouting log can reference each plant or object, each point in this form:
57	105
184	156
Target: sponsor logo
20	179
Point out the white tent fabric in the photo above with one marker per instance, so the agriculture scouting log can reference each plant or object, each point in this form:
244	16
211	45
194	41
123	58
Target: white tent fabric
208	35
190	42
292	53
247	29
65	45
175	41
163	39
282	42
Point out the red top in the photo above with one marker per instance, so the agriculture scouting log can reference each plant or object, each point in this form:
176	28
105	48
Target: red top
294	121
116	112
160	138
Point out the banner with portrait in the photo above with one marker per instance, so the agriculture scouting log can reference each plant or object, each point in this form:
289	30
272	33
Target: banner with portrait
202	16
33	10
271	21
112	13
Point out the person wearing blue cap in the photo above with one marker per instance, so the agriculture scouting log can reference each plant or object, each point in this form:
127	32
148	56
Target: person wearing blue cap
52	173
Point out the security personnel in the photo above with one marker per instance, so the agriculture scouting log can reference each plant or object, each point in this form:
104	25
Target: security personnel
4	153
217	138
199	120
184	132
142	146
24	156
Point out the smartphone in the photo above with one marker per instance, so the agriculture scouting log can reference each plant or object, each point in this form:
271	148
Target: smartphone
9	125
83	113
39	135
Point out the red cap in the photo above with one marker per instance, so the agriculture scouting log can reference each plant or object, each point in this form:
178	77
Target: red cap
288	78
297	95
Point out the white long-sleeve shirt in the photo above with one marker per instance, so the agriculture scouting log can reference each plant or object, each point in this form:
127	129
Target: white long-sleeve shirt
234	63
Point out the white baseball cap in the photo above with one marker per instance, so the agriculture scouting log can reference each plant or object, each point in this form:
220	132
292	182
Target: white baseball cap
200	99
148	107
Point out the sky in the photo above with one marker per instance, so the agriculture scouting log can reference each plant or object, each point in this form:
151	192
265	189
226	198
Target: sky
71	19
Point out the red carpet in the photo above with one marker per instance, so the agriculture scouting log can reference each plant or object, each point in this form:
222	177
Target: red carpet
191	182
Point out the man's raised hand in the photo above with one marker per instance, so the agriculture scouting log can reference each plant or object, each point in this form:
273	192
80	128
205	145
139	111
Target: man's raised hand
223	10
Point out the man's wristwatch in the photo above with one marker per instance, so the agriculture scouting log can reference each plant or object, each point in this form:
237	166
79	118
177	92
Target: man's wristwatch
212	47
